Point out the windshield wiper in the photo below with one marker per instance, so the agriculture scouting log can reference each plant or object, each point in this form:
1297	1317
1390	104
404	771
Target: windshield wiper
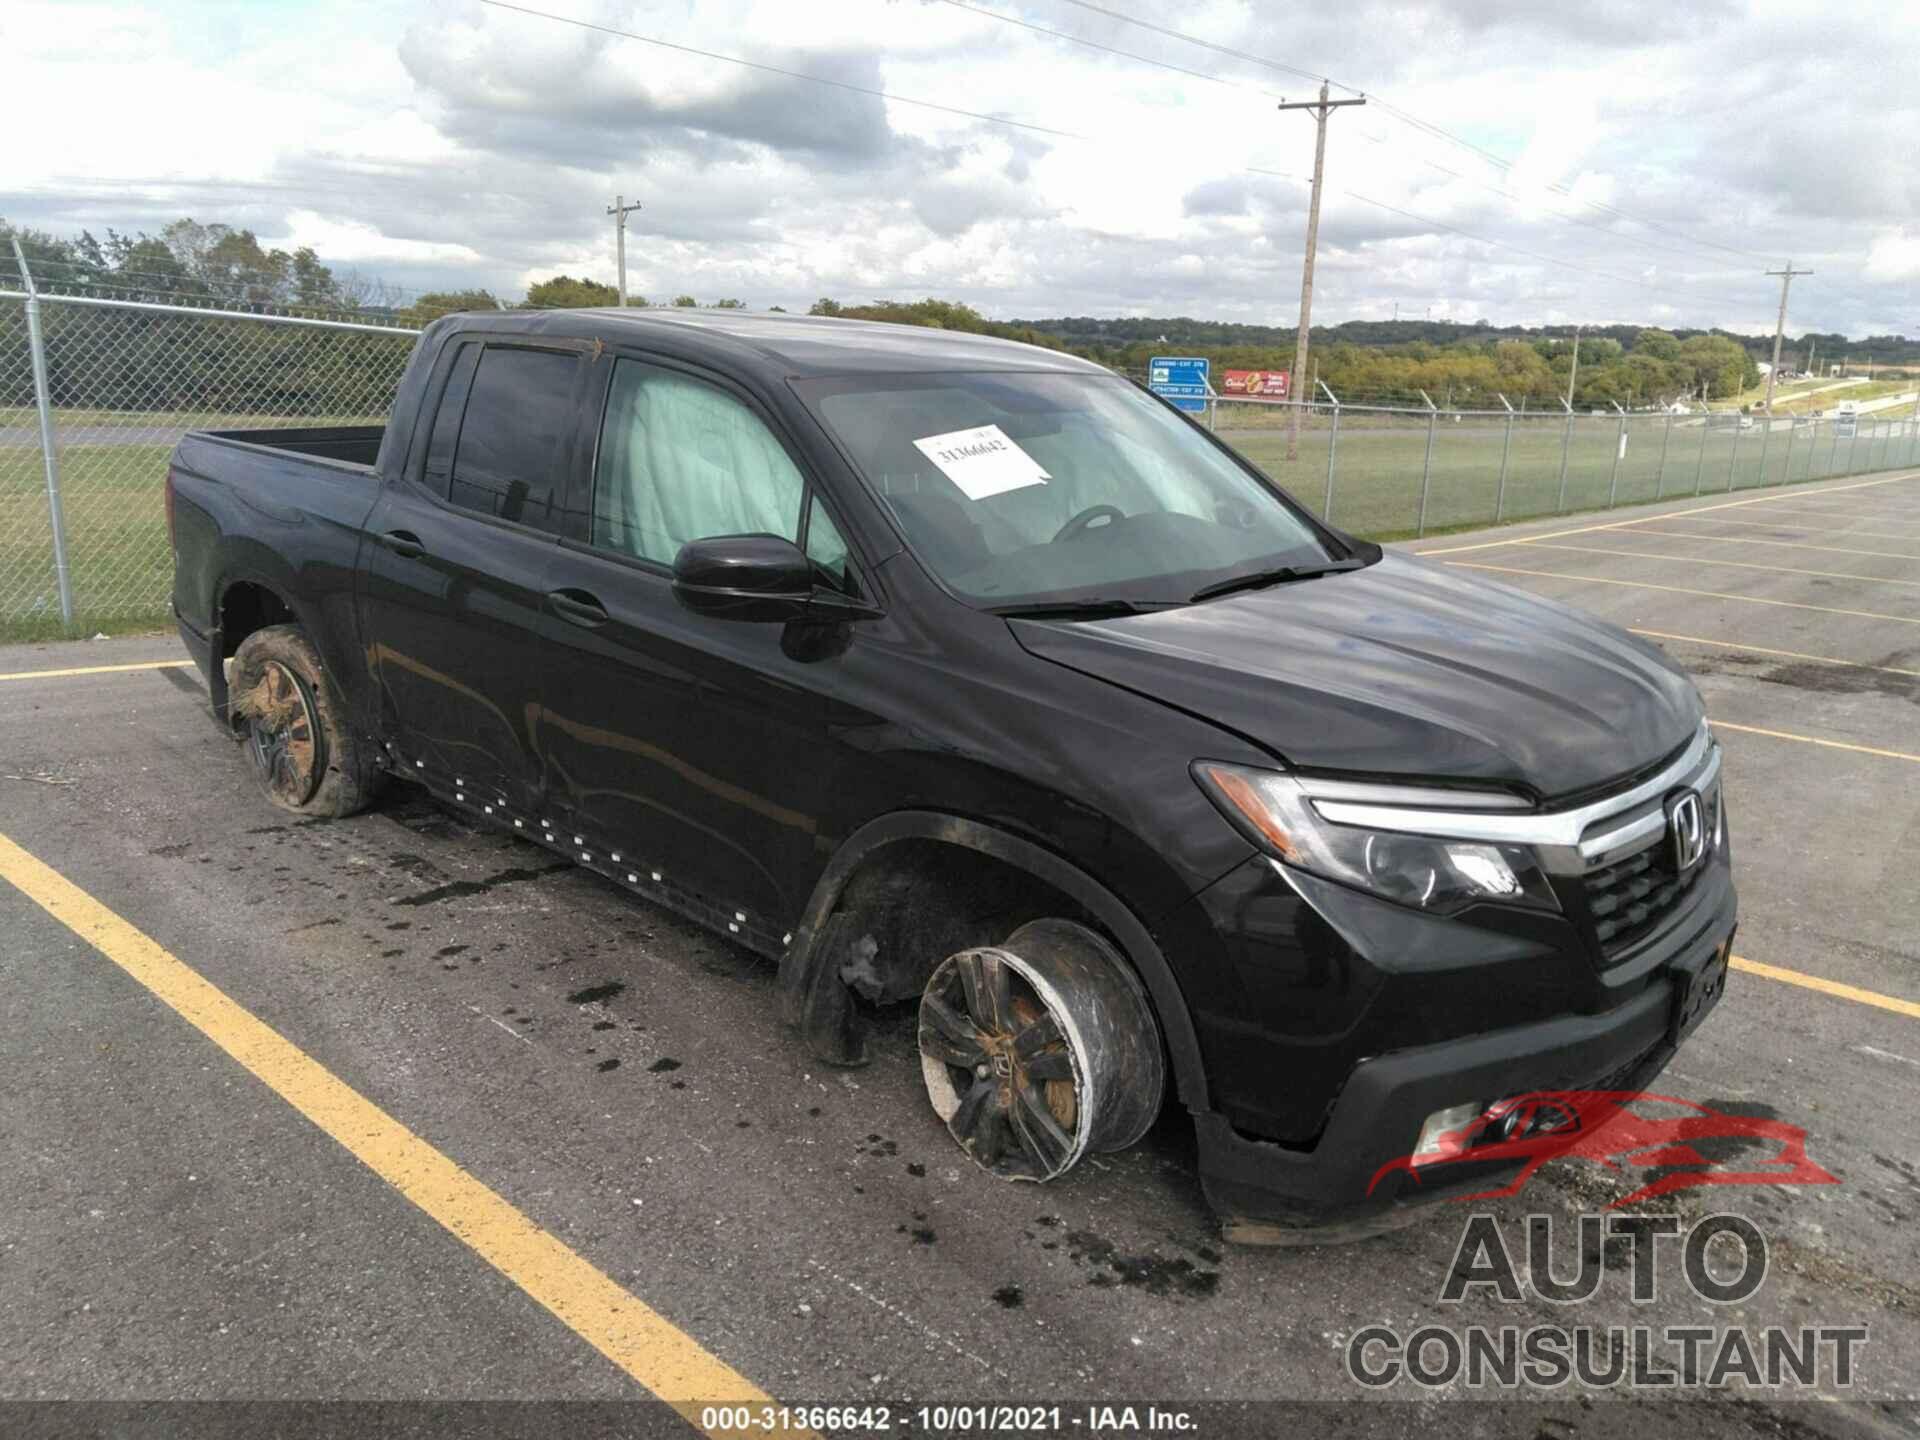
1071	609
1259	579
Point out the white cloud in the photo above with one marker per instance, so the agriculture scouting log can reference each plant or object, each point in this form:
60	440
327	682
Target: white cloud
455	145
349	241
1895	255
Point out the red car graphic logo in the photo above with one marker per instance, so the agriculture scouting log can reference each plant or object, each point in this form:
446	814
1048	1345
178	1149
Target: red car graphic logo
1598	1125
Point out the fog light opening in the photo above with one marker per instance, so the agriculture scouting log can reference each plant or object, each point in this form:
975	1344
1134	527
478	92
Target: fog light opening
1444	1134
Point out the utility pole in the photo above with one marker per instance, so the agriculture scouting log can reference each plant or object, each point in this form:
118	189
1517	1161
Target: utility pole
1574	373
1321	108
1779	328
619	210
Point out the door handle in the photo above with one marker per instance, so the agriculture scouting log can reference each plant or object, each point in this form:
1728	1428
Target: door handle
578	607
404	543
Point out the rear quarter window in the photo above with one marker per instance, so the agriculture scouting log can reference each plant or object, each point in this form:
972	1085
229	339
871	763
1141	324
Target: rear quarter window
510	460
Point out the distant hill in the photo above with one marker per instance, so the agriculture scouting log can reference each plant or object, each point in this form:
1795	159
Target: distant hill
1185	331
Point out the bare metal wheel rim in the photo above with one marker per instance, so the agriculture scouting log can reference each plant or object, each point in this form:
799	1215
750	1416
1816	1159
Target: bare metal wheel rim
1004	1066
284	736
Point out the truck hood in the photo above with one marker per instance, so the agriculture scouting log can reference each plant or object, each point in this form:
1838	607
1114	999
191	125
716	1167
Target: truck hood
1402	668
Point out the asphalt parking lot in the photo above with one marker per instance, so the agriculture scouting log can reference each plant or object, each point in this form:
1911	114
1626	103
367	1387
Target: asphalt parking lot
390	1107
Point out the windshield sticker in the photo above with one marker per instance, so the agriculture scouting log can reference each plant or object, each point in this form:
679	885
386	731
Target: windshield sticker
982	461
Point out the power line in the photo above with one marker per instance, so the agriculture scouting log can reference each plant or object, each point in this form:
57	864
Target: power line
1558	214
1048	130
1210	45
789	74
1405	117
1111	50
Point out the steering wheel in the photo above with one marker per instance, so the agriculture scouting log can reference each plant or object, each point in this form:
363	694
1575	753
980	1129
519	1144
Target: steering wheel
1077	526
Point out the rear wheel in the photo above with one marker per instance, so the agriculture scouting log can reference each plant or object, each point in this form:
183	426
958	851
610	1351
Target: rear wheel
1040	1049
302	752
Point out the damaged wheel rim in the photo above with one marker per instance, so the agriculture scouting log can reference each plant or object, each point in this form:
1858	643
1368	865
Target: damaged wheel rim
1004	1066
284	736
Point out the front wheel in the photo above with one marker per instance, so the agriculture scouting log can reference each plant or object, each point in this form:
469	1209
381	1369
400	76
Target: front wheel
1040	1049
304	755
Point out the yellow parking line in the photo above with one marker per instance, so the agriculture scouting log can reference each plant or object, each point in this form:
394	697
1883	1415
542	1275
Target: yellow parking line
1814	740
1780	544
1684	590
1765	650
1697	510
637	1338
96	670
1704	560
1827	987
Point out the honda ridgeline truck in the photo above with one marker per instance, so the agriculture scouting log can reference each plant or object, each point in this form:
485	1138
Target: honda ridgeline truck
949	672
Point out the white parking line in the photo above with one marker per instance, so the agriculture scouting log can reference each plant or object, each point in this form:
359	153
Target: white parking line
1719	725
1785	544
1698	510
1863	517
1789	525
1704	560
1767	650
1687	590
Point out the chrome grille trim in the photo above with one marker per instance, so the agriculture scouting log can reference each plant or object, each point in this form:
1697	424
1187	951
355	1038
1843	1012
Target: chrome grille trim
1563	830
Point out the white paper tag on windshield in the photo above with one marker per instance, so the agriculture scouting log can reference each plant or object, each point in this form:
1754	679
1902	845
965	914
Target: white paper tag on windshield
982	461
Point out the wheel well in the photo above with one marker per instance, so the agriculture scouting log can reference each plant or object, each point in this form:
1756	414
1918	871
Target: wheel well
912	903
245	608
912	887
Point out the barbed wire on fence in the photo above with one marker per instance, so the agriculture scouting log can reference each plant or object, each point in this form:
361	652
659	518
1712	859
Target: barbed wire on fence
123	380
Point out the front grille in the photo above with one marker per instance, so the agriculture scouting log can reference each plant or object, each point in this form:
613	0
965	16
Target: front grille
1631	899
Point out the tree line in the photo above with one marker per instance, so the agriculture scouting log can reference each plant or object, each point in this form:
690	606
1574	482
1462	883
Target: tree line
1646	367
560	292
124	359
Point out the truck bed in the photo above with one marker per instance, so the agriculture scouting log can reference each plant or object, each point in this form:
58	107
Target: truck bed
344	444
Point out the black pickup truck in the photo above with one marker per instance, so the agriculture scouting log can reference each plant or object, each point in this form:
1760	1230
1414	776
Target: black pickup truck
950	672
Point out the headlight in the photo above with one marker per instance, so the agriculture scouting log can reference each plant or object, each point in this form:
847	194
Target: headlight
1441	875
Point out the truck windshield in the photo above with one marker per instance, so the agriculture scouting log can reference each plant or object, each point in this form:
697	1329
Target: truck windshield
1042	489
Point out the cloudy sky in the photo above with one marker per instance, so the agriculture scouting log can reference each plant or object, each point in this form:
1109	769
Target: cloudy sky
1620	160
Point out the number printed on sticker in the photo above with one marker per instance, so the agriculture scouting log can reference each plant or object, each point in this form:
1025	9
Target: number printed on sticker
983	461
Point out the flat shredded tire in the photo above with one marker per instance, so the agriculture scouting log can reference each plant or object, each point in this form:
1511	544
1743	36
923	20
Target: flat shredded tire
302	752
1039	1050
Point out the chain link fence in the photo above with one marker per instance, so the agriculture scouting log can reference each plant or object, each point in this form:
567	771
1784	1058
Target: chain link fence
91	410
1394	473
95	393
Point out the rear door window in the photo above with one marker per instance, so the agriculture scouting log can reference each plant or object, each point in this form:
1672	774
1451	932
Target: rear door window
511	457
438	474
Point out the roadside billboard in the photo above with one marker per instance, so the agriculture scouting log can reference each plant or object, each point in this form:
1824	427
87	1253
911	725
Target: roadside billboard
1258	384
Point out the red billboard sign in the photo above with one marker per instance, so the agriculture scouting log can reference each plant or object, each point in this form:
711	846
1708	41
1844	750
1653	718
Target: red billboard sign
1258	384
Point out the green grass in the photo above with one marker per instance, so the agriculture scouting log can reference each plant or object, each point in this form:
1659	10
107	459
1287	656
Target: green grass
122	569
1377	487
117	553
1829	400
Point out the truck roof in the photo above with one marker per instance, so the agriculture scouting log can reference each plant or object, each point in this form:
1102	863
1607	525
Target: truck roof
795	345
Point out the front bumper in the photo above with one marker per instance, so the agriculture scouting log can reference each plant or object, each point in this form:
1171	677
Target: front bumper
1384	1100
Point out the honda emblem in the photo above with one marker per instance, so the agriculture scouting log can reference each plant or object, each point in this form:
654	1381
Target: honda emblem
1686	825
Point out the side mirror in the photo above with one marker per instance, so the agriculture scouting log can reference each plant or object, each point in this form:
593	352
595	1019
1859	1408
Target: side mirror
743	577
